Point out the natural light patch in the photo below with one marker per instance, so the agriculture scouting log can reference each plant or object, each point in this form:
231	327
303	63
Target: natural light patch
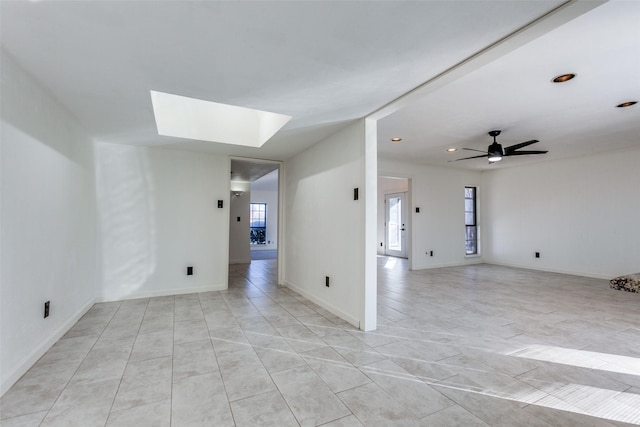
191	118
593	401
391	263
581	358
577	398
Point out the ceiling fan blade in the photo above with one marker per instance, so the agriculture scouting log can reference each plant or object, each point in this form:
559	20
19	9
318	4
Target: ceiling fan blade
523	153
514	147
467	158
473	149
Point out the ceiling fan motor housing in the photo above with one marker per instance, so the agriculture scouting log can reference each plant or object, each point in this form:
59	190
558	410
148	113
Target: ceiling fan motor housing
495	149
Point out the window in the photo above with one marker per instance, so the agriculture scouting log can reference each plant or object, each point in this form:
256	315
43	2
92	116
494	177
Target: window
258	224
470	221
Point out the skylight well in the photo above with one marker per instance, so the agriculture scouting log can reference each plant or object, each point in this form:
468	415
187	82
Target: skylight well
190	118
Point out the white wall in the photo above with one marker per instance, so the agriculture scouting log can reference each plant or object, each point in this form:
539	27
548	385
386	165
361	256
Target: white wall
158	214
48	222
580	214
439	227
386	186
271	199
239	247
325	230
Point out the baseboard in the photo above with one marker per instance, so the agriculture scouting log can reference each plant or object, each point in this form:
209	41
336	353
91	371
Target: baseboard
448	264
38	352
552	270
324	304
165	292
240	261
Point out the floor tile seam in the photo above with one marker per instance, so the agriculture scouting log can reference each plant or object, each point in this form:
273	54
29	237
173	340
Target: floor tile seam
173	351
343	362
302	341
129	408
412	411
407	374
221	369
433	381
389	396
298	420
115	395
569	407
437	362
547	393
598	372
175	379
494	396
344	347
602	410
224	385
23	415
75	372
453	403
210	343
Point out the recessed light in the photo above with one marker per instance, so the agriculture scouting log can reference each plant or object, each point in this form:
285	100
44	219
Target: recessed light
627	104
563	78
396	139
451	150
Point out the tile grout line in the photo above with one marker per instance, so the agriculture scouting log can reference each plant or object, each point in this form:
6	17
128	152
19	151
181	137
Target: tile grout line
115	395
83	360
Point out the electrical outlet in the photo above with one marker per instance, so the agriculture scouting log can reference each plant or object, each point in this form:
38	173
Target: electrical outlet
326	281
537	254
189	271
431	253
46	309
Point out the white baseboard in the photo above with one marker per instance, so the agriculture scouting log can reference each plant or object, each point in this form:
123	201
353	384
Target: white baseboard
447	264
324	304
552	270
165	292
38	352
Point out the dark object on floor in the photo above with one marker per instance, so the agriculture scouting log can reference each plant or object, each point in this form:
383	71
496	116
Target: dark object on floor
629	283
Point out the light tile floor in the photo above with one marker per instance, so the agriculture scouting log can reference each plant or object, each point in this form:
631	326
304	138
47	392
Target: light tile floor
463	346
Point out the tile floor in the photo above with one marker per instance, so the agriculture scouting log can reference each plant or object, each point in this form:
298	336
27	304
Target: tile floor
463	346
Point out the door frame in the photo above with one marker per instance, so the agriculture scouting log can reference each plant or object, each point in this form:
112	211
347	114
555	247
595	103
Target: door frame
280	207
404	197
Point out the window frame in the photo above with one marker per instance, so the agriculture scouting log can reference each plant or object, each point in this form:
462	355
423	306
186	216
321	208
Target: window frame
473	225
262	229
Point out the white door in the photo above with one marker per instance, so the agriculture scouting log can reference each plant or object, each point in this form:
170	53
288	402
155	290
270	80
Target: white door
396	206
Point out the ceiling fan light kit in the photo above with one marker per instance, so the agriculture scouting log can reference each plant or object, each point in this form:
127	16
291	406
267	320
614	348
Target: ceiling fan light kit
494	151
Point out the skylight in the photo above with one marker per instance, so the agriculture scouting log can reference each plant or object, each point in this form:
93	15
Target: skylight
184	117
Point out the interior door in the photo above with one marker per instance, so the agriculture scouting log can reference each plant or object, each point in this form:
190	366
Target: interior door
396	207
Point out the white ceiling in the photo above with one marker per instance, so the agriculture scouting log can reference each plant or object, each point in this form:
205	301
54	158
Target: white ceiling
243	170
327	63
514	93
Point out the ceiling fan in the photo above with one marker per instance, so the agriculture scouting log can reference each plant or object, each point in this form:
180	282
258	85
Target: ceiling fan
495	152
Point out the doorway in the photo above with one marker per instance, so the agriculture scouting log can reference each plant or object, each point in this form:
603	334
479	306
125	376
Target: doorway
394	217
254	216
396	224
